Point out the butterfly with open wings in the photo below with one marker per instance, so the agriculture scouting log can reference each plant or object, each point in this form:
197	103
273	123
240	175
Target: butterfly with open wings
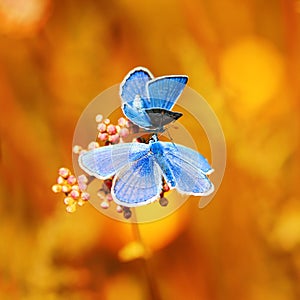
139	168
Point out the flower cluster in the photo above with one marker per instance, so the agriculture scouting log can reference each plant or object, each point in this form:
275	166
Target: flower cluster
109	133
104	193
73	188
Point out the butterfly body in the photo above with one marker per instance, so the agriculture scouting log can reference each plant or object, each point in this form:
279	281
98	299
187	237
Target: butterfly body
147	101
138	170
157	151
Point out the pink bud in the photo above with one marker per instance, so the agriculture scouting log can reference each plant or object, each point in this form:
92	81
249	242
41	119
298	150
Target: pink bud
104	205
163	201
122	122
103	136
82	186
71	179
74	194
101	127
99	118
82	178
93	145
64	172
166	188
60	180
119	209
111	129
114	138
123	132
85	196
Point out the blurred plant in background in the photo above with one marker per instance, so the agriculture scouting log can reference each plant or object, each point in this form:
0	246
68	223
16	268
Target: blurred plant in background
242	56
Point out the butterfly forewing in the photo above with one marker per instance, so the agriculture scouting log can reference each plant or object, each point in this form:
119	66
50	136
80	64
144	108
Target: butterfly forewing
188	155
164	91
104	162
135	84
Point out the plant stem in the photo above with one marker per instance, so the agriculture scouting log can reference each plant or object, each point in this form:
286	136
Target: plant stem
152	285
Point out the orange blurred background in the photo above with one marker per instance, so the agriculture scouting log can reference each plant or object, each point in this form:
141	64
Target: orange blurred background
243	57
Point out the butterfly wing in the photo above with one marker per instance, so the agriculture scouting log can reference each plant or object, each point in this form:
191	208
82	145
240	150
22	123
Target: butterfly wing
164	91
137	116
133	94
189	169
140	93
135	84
160	117
104	162
138	183
189	155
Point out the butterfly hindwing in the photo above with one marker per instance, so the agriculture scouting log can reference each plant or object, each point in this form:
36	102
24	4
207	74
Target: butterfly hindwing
189	180
137	116
189	169
138	183
160	117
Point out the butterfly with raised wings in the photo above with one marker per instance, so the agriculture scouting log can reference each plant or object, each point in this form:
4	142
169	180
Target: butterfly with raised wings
139	168
147	101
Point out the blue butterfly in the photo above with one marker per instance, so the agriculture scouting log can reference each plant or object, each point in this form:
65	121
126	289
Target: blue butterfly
147	101
139	168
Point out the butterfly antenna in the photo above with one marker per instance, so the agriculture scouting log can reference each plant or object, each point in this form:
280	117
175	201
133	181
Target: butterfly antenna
169	135
171	139
160	133
168	132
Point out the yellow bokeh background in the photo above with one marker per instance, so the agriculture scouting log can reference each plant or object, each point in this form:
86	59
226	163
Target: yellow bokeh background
243	57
